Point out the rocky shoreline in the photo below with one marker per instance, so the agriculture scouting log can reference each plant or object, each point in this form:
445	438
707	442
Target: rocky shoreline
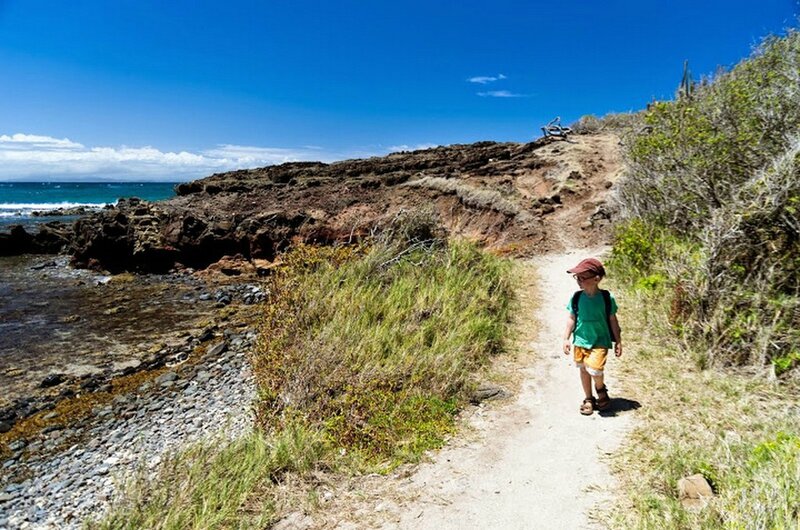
69	332
69	444
72	472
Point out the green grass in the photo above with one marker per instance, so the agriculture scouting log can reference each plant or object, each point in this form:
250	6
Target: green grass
379	350
216	484
364	359
737	429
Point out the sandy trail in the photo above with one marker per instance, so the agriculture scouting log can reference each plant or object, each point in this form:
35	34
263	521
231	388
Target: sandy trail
533	461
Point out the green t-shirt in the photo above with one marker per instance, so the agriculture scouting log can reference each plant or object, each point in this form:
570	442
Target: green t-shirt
591	329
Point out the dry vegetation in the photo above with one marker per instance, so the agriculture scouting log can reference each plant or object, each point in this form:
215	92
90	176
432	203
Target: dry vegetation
487	199
366	356
740	432
709	255
711	199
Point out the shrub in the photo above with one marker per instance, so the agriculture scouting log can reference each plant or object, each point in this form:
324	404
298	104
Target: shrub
711	197
698	150
377	346
623	123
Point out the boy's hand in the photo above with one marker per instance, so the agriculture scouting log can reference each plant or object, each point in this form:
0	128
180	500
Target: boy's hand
566	347
618	349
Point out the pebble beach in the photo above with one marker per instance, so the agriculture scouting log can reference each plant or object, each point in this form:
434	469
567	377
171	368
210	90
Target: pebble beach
67	470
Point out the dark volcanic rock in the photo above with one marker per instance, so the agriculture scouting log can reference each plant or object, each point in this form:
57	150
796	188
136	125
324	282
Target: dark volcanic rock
52	238
52	380
77	210
257	213
485	191
17	241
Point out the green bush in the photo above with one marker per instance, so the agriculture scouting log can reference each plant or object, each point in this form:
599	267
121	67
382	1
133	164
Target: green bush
711	199
696	151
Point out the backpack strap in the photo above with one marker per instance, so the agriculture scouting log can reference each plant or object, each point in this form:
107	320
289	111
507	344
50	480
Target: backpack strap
575	297
607	301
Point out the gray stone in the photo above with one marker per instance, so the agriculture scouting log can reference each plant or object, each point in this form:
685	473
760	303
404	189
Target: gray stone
121	400
294	521
52	428
217	349
486	392
126	367
5	426
166	378
52	380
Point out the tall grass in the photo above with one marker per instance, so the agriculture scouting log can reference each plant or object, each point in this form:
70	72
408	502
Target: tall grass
378	350
364	358
216	484
741	433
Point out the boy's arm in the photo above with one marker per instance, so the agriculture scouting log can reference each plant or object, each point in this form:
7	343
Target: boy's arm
615	329
568	333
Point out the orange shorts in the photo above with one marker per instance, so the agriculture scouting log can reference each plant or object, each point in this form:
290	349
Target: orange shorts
594	359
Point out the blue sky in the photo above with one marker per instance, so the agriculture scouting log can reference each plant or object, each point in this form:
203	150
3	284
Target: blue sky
144	90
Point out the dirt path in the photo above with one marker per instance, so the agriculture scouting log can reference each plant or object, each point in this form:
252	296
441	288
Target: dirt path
530	461
533	461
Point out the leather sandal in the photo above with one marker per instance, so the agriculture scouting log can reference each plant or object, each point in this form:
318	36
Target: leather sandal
603	401
587	407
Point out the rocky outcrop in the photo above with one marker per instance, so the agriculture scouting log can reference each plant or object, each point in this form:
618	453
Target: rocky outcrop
501	195
52	238
62	212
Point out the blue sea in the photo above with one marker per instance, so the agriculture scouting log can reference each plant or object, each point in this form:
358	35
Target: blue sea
18	200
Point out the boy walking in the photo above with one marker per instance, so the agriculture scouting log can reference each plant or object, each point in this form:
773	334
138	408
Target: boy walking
593	326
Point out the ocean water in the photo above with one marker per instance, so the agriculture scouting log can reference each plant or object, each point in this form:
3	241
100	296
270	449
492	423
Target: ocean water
18	200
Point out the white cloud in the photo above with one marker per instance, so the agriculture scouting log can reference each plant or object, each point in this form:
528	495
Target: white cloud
485	79
501	94
250	155
27	157
35	157
42	142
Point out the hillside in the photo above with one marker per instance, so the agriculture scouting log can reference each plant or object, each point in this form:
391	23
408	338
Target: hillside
508	197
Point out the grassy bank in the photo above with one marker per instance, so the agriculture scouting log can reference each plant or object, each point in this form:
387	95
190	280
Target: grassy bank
739	430
364	359
708	254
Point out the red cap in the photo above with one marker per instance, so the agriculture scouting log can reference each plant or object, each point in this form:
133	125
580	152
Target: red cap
589	265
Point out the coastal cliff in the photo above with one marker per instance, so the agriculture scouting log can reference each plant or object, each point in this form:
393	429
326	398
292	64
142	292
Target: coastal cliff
509	197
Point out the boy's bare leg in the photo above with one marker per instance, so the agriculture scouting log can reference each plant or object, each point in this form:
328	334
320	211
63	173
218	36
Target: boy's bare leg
586	381
598	381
